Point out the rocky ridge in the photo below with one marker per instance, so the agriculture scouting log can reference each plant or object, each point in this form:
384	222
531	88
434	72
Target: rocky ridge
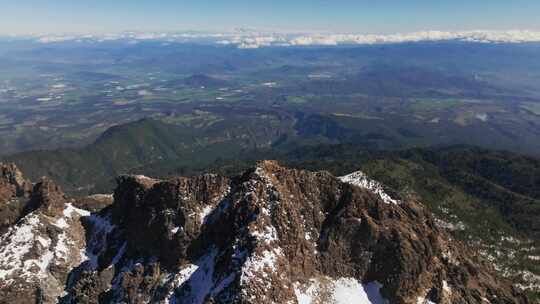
270	235
14	195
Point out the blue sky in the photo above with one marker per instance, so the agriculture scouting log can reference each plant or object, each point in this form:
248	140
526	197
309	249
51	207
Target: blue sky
376	16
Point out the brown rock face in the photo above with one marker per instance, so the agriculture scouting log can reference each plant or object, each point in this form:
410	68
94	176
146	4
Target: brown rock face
38	252
12	182
151	211
14	194
94	203
271	235
48	197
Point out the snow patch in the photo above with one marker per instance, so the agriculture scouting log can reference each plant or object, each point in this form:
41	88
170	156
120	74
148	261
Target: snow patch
361	180
97	242
25	237
206	210
67	215
446	288
340	291
268	235
255	265
197	282
61	223
176	280
69	210
18	241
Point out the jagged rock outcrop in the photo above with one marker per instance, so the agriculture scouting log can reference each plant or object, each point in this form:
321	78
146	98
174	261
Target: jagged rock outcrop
12	182
93	203
271	235
41	249
14	195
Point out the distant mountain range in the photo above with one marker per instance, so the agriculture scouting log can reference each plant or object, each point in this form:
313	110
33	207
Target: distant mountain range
152	146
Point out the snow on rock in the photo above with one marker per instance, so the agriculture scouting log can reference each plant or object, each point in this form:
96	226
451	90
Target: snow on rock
422	300
196	281
69	210
145	179
176	280
361	180
28	249
255	265
210	210
62	222
206	210
17	242
268	235
447	290
97	242
338	291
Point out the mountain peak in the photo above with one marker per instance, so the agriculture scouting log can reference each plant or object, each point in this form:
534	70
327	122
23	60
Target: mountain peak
268	165
48	196
271	235
15	192
12	181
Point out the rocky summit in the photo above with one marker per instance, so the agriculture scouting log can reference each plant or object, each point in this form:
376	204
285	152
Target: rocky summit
270	235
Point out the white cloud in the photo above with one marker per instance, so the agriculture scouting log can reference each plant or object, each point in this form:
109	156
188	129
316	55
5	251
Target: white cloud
254	39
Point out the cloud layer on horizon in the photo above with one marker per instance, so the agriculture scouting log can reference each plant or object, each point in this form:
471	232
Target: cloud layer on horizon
253	39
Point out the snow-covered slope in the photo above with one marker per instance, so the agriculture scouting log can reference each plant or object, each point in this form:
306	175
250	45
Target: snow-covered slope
42	250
